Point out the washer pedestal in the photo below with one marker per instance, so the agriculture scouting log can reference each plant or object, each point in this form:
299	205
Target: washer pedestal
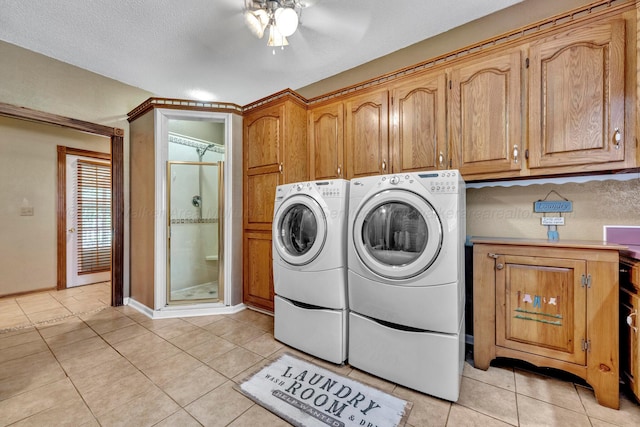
428	362
320	332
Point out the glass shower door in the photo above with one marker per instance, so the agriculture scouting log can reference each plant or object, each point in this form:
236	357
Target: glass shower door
194	248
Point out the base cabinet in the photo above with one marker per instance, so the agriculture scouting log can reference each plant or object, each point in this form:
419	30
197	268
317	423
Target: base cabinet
258	270
552	304
629	334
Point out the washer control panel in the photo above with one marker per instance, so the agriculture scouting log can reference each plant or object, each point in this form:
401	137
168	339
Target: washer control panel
327	189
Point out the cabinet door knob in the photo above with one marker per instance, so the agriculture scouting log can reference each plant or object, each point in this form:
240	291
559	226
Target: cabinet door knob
441	160
617	138
499	266
339	170
384	165
515	154
280	167
630	321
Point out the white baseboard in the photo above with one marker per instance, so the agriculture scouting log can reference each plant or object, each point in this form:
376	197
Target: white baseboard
184	310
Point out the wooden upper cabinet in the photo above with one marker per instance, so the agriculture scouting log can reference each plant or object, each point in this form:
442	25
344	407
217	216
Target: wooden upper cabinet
326	142
367	134
577	97
263	146
485	115
262	135
419	129
274	153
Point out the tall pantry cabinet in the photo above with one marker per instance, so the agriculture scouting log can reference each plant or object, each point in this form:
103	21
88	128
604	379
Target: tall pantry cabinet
275	153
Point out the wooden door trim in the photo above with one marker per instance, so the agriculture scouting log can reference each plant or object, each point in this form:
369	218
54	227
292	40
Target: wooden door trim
61	205
116	136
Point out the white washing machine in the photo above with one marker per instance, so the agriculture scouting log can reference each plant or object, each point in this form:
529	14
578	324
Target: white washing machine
310	267
405	251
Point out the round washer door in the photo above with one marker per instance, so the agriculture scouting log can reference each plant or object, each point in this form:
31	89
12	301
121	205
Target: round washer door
397	234
299	230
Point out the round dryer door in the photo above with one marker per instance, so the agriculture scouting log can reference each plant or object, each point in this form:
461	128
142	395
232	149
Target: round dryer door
397	234
299	230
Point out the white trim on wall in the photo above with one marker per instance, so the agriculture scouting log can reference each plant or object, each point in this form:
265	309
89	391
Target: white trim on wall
161	138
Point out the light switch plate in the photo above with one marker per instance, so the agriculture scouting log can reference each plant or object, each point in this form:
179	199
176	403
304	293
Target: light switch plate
26	211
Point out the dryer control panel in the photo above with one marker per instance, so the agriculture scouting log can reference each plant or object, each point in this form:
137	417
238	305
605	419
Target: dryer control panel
442	182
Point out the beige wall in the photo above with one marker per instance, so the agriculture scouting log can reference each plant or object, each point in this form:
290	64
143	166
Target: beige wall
35	81
508	211
28	167
521	14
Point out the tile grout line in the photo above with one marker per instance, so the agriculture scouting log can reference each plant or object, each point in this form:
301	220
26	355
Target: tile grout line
49	321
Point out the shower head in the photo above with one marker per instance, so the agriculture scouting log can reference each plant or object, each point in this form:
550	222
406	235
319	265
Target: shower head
201	151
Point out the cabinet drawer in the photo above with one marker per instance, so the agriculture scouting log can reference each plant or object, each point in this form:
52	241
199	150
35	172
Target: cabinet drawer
630	274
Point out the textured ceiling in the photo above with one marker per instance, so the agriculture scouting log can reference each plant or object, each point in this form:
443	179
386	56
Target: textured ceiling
173	48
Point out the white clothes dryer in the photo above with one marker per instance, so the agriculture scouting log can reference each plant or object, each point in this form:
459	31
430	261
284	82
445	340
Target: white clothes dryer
406	249
405	252
310	267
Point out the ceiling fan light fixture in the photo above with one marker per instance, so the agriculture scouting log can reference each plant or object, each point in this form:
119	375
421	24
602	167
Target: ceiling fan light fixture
276	38
281	17
286	20
257	21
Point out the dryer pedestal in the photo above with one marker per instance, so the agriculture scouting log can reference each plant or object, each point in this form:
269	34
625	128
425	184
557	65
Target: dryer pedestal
428	362
321	332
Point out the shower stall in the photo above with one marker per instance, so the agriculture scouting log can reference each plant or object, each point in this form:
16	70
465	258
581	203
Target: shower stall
195	198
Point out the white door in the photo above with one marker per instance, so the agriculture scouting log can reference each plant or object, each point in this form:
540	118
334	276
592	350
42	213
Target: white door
397	234
88	220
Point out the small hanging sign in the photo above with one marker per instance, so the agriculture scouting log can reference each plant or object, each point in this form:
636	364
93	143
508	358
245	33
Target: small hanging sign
553	206
552	220
546	206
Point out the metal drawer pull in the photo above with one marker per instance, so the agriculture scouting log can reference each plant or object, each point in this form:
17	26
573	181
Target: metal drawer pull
630	321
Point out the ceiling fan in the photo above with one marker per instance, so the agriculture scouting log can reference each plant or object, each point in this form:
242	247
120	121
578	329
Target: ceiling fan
280	17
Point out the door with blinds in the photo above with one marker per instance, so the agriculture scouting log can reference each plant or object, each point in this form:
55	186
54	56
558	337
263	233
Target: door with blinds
88	221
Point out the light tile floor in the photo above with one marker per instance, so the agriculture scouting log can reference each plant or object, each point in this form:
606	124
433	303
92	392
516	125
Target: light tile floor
67	358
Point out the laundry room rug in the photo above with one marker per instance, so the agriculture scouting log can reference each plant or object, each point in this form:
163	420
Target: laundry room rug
307	395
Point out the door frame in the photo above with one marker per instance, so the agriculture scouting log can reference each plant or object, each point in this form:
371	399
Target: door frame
116	136
61	211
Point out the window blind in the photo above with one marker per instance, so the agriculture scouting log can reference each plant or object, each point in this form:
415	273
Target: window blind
94	217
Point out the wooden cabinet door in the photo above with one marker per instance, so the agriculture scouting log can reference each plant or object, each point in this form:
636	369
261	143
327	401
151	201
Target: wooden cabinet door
263	133
576	98
485	114
629	340
326	141
258	270
419	130
541	306
263	164
367	134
